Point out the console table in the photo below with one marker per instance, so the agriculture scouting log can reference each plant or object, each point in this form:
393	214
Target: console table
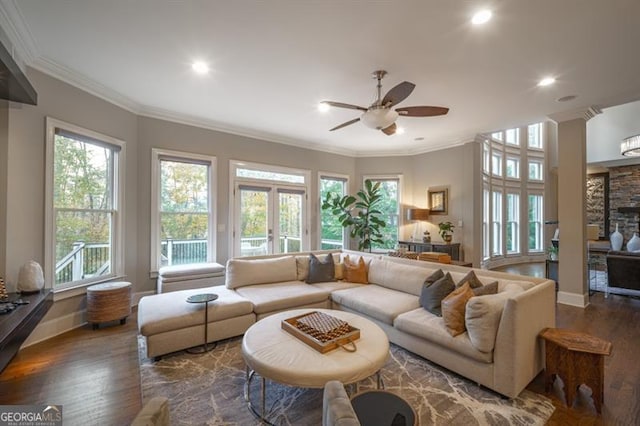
452	249
18	324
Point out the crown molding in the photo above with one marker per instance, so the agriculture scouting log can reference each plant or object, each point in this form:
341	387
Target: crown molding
18	33
586	113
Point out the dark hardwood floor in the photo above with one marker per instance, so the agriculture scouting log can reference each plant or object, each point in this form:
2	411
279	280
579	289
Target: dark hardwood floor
95	375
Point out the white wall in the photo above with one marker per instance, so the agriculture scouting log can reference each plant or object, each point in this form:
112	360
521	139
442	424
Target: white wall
605	132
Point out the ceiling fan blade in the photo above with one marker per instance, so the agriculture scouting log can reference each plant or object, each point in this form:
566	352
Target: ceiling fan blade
398	94
422	111
355	120
343	105
391	130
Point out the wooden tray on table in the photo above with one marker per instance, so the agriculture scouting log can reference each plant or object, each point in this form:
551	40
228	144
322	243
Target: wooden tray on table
322	332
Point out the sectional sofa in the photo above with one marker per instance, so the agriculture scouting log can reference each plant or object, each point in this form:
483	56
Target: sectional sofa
501	349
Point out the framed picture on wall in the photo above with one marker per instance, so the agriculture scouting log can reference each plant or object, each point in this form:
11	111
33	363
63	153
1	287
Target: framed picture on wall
438	201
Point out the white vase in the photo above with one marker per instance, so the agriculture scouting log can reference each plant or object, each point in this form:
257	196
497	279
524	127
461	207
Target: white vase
616	239
634	243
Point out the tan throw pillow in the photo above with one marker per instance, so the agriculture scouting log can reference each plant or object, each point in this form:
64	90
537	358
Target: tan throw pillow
355	272
453	309
339	270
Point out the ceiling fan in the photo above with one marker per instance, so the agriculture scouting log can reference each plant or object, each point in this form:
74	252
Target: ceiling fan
380	115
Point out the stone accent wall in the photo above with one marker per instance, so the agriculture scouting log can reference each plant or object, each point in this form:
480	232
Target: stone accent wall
596	202
624	191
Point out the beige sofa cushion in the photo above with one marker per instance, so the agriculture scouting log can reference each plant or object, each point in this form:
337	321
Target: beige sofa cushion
243	272
163	312
397	276
482	317
283	295
375	301
424	324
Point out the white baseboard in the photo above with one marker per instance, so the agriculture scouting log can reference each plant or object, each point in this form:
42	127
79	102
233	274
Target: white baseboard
48	329
573	299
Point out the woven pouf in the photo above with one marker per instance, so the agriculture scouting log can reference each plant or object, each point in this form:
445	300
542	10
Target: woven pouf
108	302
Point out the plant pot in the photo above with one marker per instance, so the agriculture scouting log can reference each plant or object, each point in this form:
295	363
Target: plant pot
447	238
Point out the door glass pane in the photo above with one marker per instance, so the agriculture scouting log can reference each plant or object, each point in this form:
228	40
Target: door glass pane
253	222
290	218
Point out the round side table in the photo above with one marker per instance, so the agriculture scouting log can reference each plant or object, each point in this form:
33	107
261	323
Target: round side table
203	298
108	302
382	408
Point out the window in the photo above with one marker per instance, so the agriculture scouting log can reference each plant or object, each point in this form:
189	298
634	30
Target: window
332	234
84	206
513	222
535	170
496	164
496	223
485	223
534	136
512	137
182	209
513	167
535	222
497	136
389	205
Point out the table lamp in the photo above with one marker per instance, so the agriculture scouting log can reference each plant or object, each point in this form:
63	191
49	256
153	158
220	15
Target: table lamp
417	215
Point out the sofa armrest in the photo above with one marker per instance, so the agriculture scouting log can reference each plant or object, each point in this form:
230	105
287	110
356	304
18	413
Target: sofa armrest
519	353
154	413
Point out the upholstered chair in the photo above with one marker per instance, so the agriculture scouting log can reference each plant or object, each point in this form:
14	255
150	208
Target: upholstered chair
336	406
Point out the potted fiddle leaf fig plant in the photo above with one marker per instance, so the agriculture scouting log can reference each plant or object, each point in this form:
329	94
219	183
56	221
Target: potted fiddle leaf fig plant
359	213
446	231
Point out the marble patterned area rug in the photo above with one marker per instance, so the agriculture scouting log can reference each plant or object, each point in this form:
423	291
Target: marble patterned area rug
208	389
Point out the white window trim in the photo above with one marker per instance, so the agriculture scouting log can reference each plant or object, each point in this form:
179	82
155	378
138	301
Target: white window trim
156	155
345	234
235	180
118	208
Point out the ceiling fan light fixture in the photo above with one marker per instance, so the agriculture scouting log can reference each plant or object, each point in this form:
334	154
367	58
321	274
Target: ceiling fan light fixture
481	17
323	107
379	118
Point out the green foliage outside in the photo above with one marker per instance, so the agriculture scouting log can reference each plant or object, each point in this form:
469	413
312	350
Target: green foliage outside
82	194
360	214
331	227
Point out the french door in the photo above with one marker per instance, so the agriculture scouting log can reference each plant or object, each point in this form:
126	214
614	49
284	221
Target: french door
269	219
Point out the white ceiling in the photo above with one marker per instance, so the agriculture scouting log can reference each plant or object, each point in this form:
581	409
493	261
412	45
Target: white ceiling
273	61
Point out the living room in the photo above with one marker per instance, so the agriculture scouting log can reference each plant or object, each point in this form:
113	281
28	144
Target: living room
454	163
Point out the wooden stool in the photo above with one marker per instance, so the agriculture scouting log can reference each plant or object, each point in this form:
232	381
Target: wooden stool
108	302
577	358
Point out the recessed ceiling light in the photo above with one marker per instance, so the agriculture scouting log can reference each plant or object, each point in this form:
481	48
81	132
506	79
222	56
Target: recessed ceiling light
323	107
546	81
419	139
481	17
399	130
200	67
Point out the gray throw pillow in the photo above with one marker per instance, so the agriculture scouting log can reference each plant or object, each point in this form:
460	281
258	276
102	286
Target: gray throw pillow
432	295
321	271
470	278
434	277
491	288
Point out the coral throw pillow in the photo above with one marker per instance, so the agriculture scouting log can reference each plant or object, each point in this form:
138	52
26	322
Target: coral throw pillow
355	272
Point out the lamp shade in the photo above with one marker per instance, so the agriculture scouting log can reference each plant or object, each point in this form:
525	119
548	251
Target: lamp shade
418	214
593	232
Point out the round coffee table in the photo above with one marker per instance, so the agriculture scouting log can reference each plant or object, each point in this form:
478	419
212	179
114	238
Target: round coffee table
383	408
274	354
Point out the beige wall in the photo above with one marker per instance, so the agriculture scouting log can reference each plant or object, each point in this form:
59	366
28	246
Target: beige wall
22	180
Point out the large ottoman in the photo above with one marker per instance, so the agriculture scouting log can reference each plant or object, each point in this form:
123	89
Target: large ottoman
169	323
